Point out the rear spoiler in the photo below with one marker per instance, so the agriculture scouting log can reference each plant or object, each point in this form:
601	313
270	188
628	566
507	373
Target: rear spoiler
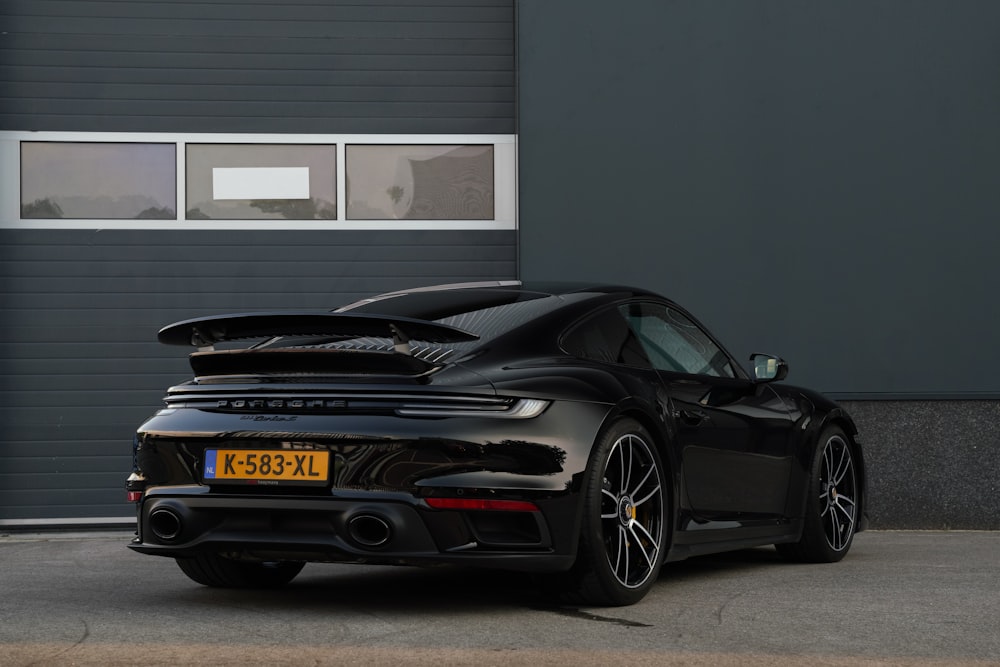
204	332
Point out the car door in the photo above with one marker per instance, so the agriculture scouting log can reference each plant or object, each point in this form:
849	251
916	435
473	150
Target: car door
733	434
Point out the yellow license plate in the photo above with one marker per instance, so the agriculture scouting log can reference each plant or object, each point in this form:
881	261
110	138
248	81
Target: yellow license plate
265	465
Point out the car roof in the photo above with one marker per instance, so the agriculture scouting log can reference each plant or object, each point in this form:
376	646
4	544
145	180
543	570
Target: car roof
488	290
495	308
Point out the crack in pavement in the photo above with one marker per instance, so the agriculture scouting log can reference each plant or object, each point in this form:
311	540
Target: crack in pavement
78	642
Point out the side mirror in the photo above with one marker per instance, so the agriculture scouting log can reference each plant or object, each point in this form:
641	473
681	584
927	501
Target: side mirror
767	368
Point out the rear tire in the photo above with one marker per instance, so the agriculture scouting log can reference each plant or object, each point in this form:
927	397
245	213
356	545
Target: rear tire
831	504
624	526
221	572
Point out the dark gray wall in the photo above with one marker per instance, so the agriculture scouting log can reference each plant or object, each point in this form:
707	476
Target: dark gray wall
816	180
337	66
80	367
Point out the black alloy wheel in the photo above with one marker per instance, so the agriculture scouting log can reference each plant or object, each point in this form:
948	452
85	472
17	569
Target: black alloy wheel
832	504
624	524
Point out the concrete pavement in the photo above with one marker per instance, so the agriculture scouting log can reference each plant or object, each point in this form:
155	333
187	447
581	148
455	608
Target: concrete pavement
899	598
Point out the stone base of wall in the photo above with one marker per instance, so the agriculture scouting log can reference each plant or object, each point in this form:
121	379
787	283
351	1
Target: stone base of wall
931	464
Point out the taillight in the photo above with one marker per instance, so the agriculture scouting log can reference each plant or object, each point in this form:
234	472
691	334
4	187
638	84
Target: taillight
482	504
135	486
522	408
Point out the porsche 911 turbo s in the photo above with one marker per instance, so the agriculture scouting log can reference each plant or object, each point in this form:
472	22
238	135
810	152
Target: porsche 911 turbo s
584	433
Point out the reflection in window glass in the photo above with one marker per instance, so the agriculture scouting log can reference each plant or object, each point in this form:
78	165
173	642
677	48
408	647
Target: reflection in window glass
675	343
261	182
606	337
103	181
420	182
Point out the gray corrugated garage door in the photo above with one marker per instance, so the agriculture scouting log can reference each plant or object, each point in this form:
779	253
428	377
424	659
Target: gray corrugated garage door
79	368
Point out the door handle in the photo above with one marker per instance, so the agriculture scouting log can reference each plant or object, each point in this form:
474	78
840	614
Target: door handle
692	417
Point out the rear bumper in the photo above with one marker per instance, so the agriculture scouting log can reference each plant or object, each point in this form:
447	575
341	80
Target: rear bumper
361	527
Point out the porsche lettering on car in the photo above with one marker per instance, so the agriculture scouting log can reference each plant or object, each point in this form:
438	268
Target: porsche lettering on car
585	433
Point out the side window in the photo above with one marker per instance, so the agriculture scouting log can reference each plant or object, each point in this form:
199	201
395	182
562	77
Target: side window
673	342
606	337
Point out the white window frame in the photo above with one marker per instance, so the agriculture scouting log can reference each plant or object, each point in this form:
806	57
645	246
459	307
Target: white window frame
504	171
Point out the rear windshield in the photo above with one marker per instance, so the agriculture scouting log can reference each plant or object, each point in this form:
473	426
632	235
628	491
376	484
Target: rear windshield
486	313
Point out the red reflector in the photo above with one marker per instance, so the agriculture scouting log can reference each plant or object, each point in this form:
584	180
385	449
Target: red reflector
481	504
133	496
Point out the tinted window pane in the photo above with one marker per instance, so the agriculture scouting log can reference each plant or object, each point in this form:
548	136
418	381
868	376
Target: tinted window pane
675	343
103	181
420	183
486	313
606	337
261	182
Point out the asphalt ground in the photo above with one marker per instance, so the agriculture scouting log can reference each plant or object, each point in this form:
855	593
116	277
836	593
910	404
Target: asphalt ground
899	598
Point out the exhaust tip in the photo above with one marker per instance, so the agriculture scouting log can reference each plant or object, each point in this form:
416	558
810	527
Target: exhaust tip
369	530
165	524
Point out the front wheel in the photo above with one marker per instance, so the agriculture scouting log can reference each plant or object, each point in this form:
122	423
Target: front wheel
624	526
832	504
221	572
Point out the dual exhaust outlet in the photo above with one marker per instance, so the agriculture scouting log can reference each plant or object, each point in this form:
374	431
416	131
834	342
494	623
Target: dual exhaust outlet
365	530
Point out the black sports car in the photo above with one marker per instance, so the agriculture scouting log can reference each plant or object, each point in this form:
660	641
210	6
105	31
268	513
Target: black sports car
587	432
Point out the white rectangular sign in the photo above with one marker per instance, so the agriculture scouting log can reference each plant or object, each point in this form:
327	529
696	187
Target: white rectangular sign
260	183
